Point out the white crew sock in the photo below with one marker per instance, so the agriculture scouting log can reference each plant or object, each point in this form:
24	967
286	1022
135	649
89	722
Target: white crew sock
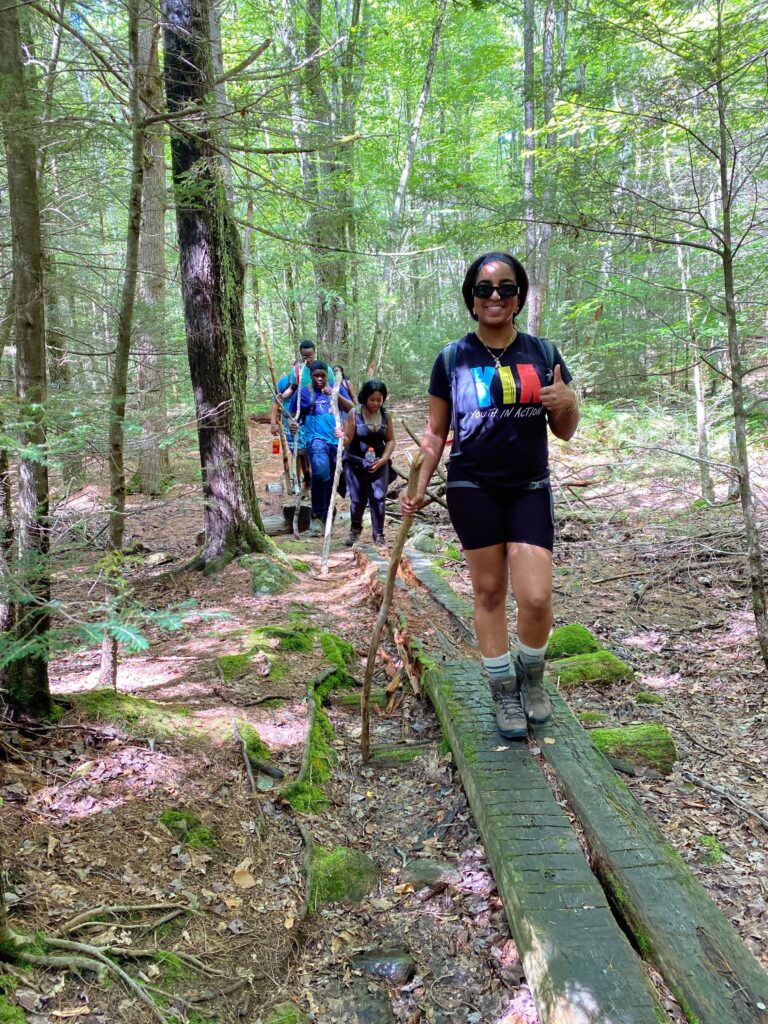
498	668
530	655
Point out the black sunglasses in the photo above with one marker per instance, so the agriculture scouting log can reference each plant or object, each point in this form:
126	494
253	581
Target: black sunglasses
506	290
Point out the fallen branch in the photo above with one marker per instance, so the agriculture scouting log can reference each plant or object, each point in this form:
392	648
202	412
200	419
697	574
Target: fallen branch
265	698
430	494
726	795
307	869
246	759
394	564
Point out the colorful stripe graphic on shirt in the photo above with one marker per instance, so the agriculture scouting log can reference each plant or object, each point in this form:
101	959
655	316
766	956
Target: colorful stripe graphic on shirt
530	385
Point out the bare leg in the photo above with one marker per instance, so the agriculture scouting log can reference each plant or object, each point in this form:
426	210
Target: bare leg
490	582
530	574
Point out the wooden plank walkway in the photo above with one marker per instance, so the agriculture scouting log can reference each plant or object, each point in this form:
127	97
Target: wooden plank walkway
578	963
676	924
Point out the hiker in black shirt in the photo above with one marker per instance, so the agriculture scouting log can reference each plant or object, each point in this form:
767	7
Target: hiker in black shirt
369	439
499	390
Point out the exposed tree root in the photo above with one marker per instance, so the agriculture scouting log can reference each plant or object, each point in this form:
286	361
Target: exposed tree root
99	959
87	916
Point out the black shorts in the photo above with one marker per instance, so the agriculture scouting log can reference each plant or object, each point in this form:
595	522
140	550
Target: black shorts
484	517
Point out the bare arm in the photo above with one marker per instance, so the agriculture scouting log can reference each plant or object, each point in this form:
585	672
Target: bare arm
349	431
562	407
432	445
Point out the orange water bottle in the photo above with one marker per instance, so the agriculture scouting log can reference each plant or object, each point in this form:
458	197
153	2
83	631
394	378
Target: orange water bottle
275	445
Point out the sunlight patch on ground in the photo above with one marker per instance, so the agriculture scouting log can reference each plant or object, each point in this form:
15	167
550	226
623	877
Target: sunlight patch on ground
740	633
108	782
520	1010
279	728
670	681
650	640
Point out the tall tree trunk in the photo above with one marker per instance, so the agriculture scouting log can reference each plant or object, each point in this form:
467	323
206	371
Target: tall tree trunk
154	467
754	554
212	277
108	673
529	163
27	683
59	376
702	431
394	232
7	602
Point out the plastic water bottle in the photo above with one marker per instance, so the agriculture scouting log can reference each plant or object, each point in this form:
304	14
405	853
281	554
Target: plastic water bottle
275	445
369	458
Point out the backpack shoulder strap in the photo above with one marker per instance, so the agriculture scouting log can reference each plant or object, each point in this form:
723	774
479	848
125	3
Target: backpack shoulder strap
449	362
548	350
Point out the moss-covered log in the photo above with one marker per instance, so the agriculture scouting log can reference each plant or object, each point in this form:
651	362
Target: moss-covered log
673	921
650	745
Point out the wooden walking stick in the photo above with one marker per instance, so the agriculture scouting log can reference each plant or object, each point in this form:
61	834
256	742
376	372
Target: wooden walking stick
389	589
336	475
283	441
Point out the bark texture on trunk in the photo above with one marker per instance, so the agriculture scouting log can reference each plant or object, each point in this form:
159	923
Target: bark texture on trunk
212	277
27	683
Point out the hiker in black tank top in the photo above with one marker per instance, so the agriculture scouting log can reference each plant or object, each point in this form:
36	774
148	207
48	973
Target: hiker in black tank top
503	391
369	439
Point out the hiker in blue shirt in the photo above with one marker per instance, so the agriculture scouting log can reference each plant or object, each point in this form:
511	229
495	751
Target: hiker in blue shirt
287	388
320	436
501	390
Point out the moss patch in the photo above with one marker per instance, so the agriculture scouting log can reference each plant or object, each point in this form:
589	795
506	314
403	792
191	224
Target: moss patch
174	969
307	795
645	697
10	1014
566	641
601	669
188	829
255	746
268	576
286	1013
134	714
234	666
299	638
591	717
713	850
650	745
341	874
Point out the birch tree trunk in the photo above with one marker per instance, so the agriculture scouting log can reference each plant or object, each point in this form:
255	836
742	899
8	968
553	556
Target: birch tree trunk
27	681
212	276
394	231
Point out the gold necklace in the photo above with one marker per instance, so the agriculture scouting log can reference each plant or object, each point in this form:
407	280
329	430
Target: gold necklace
496	358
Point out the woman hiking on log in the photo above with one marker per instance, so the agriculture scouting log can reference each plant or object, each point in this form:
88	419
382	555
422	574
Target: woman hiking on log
369	440
499	389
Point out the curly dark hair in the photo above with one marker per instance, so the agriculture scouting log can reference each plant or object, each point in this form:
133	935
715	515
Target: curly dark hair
477	265
368	389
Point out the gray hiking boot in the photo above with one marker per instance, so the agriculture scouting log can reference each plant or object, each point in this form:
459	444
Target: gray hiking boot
510	717
353	536
538	706
316	527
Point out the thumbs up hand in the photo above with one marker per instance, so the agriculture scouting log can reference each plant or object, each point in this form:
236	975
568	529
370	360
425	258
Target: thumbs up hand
557	396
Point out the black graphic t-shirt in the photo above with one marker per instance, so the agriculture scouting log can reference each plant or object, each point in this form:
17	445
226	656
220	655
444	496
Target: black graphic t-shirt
500	422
